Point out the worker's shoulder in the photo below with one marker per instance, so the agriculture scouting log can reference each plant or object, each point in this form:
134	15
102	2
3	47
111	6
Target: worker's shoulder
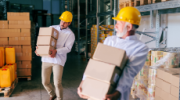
55	26
142	46
111	37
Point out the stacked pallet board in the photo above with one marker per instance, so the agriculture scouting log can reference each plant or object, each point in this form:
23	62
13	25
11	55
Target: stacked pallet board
104	32
159	78
134	3
16	32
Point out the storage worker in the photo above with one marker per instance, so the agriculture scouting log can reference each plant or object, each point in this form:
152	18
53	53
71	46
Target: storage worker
128	20
57	59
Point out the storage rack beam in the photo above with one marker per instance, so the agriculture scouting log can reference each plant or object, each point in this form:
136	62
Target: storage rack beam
159	6
78	4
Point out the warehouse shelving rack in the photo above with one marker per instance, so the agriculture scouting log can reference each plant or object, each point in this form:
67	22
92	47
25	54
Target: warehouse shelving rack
96	15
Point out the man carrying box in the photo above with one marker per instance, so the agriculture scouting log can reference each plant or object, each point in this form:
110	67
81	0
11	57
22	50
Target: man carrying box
57	59
128	20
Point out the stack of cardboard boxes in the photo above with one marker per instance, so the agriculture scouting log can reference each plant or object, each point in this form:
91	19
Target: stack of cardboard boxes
170	64
47	40
167	84
103	71
16	32
104	32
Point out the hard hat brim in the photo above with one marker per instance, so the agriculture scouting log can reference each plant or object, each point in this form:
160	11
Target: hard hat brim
118	19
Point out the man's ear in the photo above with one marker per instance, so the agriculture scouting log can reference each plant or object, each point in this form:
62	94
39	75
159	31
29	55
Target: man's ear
69	23
129	27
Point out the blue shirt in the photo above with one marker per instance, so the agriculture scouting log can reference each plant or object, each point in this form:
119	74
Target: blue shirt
137	54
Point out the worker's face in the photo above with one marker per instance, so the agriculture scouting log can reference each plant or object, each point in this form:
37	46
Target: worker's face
121	28
64	25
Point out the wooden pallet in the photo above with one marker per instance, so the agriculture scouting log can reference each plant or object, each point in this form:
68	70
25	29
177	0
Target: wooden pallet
128	3
8	91
28	77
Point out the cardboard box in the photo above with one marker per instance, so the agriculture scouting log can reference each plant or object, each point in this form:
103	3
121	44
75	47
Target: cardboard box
174	98
24	56
18	16
157	98
46	41
175	91
175	81
166	74
9	32
158	91
159	83
44	50
165	95
4	24
95	89
23	72
24	64
25	40
20	24
162	94
166	87
13	40
49	31
26	49
98	70
25	32
110	55
4	41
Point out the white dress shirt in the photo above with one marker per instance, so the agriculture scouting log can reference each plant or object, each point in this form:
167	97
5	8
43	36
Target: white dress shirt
137	54
64	44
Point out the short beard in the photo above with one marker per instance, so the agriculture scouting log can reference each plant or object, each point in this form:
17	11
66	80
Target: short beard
121	34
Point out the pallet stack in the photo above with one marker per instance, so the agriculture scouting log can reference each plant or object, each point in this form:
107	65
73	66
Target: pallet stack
103	34
16	32
158	85
134	3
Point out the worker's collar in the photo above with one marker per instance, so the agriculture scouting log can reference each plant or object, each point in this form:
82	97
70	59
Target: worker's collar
62	29
131	37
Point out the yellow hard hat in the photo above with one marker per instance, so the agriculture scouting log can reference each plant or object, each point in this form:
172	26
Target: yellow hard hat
129	14
66	16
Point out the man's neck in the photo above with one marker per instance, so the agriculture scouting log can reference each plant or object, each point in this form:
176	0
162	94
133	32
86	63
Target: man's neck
127	34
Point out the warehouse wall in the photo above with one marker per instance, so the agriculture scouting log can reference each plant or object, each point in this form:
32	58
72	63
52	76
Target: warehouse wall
173	35
173	39
38	4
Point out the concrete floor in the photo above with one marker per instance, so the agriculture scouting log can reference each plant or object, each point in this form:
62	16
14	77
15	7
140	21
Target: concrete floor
33	90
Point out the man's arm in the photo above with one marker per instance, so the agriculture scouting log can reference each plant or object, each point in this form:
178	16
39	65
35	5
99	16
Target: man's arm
67	46
136	62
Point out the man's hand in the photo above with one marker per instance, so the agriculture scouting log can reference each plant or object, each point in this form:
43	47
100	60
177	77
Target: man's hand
79	91
114	96
36	51
53	53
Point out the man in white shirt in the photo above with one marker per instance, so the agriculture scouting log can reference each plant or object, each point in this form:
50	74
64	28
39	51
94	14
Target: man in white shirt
128	20
58	57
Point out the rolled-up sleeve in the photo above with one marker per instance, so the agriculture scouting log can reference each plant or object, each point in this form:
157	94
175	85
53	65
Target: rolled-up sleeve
134	65
67	46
